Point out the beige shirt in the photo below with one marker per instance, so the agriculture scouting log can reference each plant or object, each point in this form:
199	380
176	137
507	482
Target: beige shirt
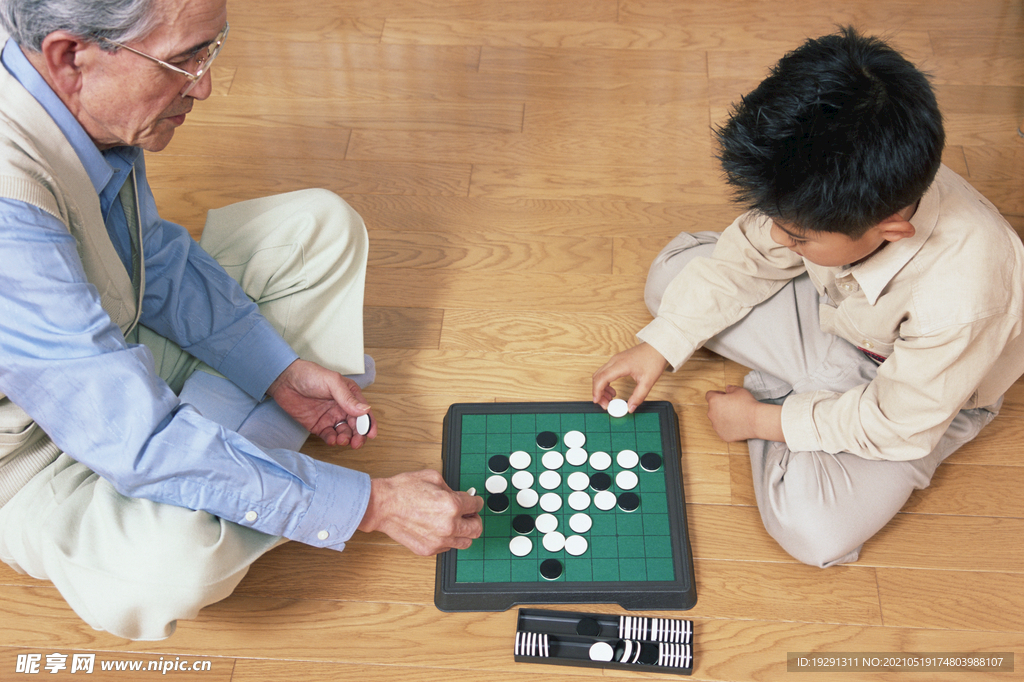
944	307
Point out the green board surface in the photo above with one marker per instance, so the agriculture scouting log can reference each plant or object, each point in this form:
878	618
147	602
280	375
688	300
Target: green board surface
621	546
639	559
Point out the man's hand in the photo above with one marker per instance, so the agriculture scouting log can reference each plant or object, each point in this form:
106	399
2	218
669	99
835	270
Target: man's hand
737	415
644	364
324	402
420	511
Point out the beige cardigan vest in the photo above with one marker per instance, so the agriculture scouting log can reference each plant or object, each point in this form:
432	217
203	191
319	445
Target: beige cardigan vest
39	166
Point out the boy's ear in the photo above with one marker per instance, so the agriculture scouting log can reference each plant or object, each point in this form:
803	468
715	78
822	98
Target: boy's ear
896	227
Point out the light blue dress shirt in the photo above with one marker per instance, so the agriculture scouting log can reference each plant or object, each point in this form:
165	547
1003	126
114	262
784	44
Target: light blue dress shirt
64	362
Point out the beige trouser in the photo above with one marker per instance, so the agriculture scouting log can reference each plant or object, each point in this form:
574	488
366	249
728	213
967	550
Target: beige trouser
133	567
819	507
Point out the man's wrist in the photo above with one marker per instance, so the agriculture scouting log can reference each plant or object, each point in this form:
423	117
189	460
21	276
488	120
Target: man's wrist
276	384
370	520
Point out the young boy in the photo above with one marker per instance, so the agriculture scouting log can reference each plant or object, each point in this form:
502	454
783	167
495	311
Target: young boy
876	295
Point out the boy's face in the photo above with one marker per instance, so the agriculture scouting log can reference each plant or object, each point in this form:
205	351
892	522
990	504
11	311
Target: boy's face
833	249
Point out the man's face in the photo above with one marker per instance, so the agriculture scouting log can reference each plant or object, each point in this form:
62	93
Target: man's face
126	99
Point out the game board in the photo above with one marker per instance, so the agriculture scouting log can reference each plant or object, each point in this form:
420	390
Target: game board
635	550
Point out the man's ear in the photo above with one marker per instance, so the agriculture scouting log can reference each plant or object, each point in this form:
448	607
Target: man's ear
61	60
896	227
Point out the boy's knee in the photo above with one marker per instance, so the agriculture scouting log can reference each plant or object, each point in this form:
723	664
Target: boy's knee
670	262
815	542
808	508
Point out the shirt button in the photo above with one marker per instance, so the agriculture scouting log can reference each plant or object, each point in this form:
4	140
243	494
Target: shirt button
867	344
251	516
323	535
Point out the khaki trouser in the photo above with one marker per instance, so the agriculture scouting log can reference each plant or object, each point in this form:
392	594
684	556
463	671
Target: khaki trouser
819	507
133	567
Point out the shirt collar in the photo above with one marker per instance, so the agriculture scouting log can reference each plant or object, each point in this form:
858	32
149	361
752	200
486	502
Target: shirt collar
875	273
100	166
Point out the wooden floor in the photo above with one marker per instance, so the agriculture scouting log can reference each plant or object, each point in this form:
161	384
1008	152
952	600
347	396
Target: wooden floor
519	163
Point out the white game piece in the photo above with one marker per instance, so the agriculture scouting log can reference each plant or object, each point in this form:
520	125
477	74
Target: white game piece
574	439
575	545
618	408
520	459
580	523
579	500
522	480
626	480
496	484
520	545
550	502
527	498
576	456
546	523
554	541
552	459
363	424
627	459
600	460
601	651
578	480
549	480
604	500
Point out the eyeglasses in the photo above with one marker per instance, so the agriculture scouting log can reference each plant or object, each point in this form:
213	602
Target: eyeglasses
201	58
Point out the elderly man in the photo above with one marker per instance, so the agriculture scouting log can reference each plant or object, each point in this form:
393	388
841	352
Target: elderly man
154	390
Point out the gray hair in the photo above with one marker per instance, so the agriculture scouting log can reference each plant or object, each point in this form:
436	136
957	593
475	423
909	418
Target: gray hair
30	21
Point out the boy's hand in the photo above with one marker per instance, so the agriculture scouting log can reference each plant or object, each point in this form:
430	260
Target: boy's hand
736	415
642	363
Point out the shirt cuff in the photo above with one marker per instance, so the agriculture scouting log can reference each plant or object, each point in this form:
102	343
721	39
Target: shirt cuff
258	359
337	507
665	338
798	423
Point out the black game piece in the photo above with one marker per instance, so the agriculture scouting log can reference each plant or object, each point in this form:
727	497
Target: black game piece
551	569
523	524
499	464
651	461
588	627
629	502
648	653
498	503
600	481
547	440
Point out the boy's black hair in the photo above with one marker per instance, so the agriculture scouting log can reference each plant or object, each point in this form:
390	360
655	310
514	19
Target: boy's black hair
842	134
